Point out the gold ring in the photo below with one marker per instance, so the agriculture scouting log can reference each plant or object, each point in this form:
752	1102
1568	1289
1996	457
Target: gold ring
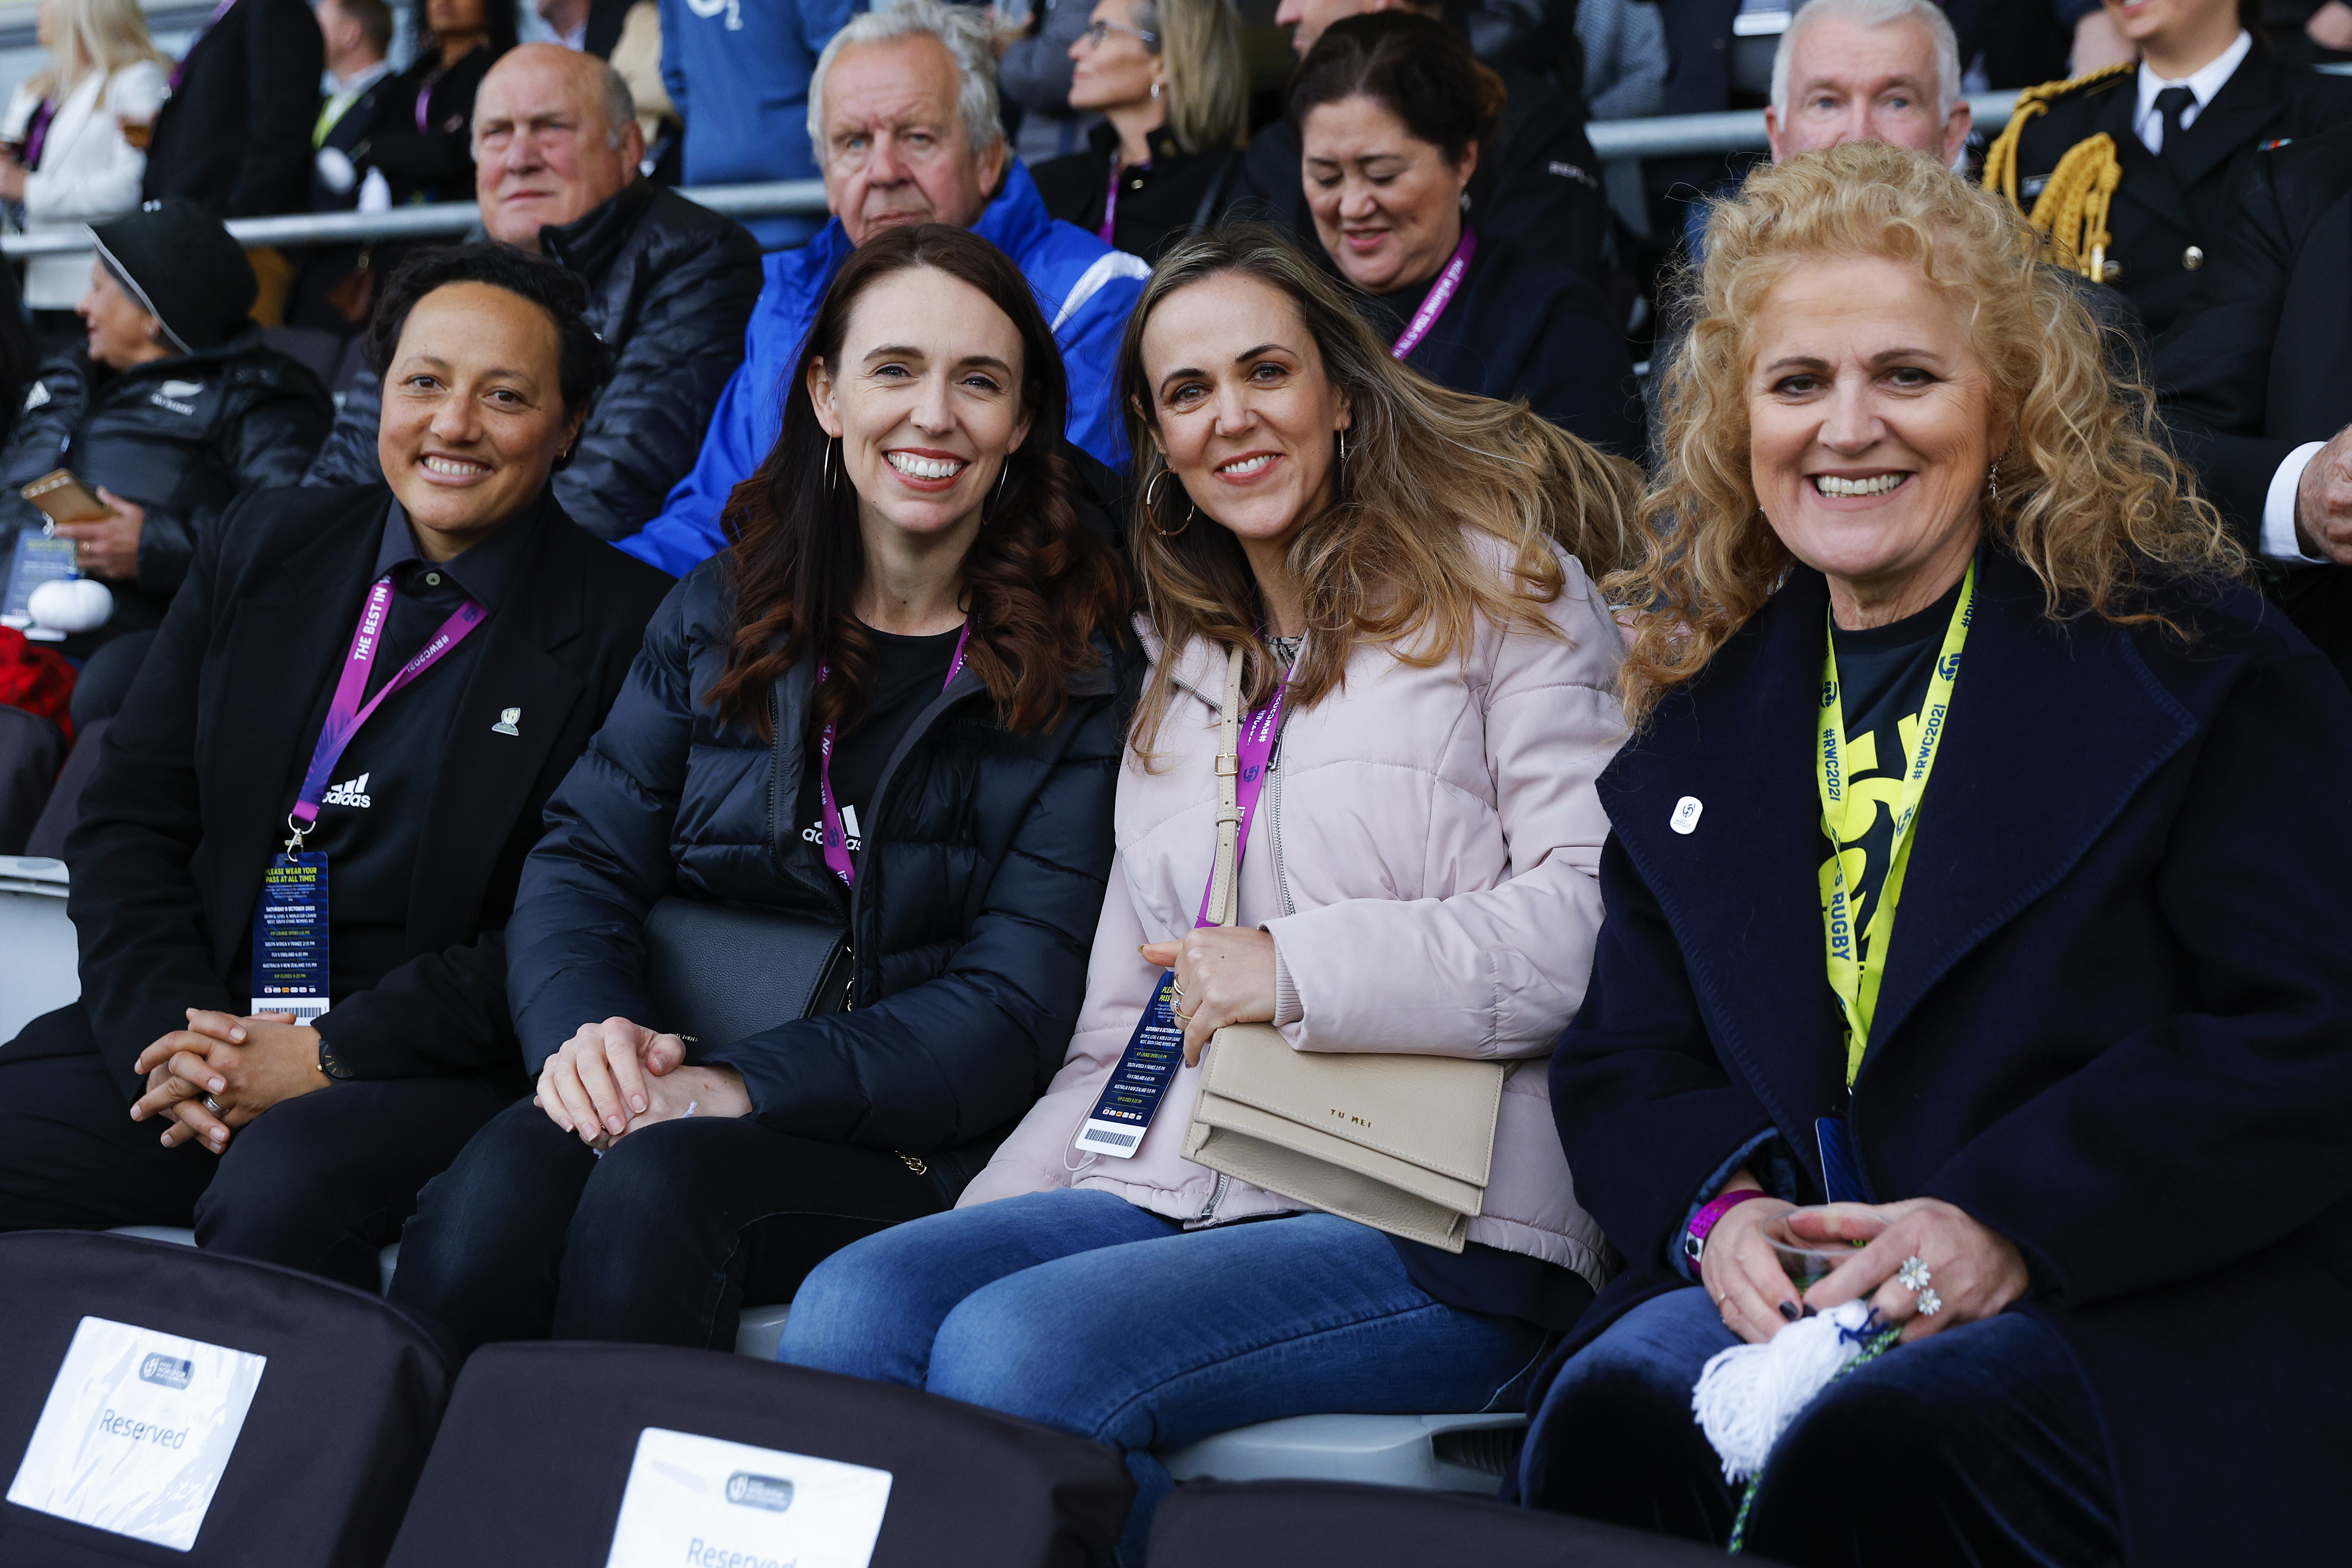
1183	1018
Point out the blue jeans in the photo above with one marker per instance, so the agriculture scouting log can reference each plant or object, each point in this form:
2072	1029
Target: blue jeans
1079	1309
1980	1444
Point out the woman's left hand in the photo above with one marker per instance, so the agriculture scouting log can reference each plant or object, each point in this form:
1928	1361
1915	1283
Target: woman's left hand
710	1090
1224	974
246	1066
109	547
1968	1272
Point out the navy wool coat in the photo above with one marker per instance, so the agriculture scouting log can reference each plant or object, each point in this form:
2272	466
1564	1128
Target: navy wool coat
2115	1027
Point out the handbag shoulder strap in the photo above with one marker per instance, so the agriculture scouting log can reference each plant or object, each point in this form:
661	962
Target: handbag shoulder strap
1224	884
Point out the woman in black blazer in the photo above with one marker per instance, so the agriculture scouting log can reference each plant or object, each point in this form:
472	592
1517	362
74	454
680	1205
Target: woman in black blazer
302	1103
2082	1087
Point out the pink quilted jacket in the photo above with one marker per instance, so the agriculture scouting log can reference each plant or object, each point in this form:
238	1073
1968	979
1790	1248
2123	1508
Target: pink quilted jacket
1424	856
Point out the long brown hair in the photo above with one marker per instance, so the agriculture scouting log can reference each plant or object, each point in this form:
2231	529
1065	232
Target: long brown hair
1038	583
2089	496
1427	470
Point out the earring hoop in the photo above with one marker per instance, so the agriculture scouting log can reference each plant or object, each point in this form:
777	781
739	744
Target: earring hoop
996	502
1342	434
1152	509
827	485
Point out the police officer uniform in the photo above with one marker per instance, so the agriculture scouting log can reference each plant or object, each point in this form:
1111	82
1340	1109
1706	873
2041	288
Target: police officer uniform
2075	159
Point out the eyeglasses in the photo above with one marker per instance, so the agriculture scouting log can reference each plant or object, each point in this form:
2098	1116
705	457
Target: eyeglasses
1095	34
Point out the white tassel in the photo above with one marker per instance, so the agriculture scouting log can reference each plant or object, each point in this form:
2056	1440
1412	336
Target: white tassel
1747	1396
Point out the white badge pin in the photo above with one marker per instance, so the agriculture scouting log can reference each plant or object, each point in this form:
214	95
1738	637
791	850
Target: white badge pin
507	717
1686	816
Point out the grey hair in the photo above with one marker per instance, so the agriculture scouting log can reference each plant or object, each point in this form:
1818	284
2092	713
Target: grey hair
620	106
1942	41
962	30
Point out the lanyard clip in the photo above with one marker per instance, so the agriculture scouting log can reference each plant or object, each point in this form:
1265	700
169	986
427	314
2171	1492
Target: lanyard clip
294	845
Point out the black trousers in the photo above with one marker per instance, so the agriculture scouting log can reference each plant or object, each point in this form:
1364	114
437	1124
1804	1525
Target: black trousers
320	1183
663	1241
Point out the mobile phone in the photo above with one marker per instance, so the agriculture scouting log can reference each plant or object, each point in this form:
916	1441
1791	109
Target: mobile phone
65	499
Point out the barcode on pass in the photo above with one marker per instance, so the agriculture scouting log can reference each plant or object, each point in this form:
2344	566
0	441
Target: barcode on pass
1105	1138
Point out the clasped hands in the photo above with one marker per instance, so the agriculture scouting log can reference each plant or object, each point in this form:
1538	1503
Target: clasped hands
1976	1271
2323	500
611	1078
246	1065
1224	974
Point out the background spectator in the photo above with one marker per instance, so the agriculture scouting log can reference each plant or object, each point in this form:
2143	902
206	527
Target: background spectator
1868	71
1394	112
169	410
995	733
336	288
637	55
1625	44
903	106
422	135
1171	83
2256	382
670	283
331	1118
63	153
738	75
591	27
1033	73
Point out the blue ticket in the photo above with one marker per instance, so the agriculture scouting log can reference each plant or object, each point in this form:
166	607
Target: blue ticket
289	937
1146	1069
33	560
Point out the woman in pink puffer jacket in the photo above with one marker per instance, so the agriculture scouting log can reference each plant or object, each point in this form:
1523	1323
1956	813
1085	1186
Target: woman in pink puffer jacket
1418	876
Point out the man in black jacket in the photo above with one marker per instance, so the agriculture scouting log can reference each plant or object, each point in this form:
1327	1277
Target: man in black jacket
671	286
2257	383
235	135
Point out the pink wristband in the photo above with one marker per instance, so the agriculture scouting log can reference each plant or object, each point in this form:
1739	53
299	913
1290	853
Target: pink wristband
1704	1222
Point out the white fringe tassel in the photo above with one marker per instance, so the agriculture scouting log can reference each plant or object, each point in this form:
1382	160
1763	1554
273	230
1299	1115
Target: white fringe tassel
1747	1396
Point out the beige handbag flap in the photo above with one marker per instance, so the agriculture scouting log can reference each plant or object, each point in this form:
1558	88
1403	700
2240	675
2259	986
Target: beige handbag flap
1334	1189
1436	1113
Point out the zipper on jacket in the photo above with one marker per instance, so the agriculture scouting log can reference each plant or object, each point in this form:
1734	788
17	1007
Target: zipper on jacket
1216	1195
1273	826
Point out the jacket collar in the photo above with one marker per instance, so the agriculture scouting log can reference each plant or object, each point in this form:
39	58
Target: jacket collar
2071	711
588	244
2253	99
1014	221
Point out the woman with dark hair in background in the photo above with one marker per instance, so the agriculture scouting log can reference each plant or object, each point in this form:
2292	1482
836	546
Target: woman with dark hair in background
423	138
401	674
894	704
1169	79
1392	111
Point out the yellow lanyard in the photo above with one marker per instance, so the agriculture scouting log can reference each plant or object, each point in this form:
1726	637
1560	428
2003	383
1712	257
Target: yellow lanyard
1853	976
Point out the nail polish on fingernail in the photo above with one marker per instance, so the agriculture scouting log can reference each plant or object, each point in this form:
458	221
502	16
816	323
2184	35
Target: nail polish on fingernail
1789	1310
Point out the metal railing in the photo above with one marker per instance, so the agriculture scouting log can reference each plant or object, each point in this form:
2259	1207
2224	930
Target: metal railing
1674	136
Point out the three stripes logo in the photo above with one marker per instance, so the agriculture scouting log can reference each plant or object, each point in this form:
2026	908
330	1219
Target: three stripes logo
351	792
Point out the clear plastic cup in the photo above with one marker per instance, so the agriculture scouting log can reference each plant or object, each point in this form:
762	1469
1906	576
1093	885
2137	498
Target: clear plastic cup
1805	1260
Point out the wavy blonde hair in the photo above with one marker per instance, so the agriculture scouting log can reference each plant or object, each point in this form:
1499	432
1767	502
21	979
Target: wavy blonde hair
102	36
2090	497
1390	559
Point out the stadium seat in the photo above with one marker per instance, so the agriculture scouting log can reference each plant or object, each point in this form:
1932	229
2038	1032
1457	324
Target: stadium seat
37	952
1442	1453
159	1403
759	1328
552	1451
1319	1524
387	1260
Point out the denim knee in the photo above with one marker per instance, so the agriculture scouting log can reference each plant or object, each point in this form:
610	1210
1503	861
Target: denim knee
858	1311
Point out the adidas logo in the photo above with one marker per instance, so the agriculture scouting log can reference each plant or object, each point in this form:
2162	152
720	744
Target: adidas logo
352	792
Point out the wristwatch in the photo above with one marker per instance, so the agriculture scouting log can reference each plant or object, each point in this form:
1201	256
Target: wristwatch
328	1064
1703	1223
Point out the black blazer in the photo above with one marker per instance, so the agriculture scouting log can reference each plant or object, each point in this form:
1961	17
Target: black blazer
197	773
235	135
2259	368
1157	203
2163	208
2116	1024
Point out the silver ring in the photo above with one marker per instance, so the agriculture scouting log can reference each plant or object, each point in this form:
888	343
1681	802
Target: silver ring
1930	1303
1912	1275
214	1106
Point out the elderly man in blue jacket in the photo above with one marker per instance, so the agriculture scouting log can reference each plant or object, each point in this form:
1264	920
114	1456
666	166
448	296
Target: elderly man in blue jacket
903	113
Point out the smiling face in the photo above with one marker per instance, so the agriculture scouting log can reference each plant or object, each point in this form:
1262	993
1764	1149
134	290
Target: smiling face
2153	24
1247	416
1387	205
1871	429
1119	72
473	412
1848	82
926	402
895	146
542	152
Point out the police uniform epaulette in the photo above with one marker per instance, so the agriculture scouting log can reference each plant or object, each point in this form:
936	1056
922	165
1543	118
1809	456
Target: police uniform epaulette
2072	209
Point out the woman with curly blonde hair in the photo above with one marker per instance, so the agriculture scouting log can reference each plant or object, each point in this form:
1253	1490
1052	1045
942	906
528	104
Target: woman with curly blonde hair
1937	628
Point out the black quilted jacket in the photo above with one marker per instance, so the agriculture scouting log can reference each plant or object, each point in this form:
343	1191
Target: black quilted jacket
670	287
979	887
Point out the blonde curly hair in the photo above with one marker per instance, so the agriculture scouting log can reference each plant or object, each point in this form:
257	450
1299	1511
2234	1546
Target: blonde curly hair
2090	497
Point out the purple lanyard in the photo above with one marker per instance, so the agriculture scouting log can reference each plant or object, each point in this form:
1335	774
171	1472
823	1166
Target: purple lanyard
36	134
1110	202
180	71
1440	295
1254	750
344	714
836	841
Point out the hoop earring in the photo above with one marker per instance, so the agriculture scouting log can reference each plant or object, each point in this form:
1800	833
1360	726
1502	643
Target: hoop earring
827	485
1152	509
996	502
1342	434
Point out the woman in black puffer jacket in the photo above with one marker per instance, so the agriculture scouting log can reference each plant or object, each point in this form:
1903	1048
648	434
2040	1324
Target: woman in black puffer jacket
897	702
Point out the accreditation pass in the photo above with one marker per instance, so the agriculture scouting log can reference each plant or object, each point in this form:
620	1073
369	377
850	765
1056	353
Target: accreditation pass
1116	1126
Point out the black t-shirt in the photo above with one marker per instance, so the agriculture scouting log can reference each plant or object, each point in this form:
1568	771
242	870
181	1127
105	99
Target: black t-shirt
910	673
1883	676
